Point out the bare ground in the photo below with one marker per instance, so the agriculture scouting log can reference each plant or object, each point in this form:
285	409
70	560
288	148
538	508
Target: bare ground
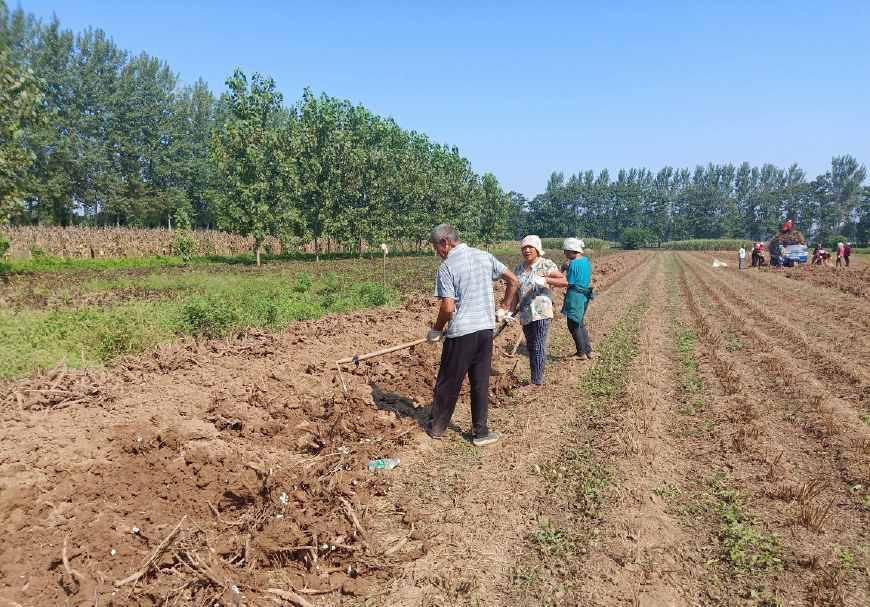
233	472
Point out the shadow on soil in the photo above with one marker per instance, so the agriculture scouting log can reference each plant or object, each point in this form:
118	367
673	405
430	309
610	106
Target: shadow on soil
408	407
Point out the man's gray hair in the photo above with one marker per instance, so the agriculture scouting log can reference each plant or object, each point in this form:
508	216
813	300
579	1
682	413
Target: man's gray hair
444	231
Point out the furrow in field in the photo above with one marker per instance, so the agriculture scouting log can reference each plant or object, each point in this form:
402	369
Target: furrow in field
841	388
820	316
818	356
640	551
472	508
798	488
823	304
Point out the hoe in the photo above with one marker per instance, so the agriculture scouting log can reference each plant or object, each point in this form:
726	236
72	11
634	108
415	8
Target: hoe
356	359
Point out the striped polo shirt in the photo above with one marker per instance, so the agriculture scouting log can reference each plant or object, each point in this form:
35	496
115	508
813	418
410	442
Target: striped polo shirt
466	276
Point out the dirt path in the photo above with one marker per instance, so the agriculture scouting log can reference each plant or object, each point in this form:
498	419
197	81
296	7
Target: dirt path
640	552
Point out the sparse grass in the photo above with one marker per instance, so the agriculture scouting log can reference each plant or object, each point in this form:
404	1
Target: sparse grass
579	479
576	471
550	540
745	547
691	386
525	578
845	557
668	491
607	379
41	263
732	341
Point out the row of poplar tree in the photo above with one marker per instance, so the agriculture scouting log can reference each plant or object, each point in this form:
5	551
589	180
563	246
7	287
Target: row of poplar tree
102	137
91	134
716	201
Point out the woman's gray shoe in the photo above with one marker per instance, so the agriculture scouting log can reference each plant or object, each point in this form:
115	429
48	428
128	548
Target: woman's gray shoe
483	440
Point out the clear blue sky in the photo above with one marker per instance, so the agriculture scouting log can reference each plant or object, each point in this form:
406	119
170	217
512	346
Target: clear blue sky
527	88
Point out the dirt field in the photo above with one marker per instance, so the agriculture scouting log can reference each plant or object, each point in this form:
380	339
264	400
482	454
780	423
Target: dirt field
716	452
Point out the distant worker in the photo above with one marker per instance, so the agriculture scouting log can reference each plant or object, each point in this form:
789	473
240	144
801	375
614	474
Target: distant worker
464	286
757	257
841	253
741	257
787	226
535	303
578	278
847	253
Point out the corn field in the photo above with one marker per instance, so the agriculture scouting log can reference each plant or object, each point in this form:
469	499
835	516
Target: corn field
707	244
27	242
555	244
82	242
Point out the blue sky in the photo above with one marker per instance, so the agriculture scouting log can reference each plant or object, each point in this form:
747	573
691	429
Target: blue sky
524	89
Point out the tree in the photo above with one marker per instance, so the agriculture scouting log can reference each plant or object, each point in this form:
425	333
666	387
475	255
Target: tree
635	238
256	186
518	213
196	117
494	210
21	103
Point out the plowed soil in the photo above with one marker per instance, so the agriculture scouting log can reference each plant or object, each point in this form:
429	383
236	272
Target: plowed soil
854	280
731	469
209	473
787	419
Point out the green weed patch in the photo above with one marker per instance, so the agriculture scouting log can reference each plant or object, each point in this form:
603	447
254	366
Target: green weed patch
550	540
744	546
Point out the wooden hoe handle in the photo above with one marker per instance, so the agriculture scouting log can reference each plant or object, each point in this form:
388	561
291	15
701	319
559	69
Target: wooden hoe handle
357	358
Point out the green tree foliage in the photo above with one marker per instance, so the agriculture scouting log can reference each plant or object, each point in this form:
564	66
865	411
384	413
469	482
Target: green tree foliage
635	238
184	243
20	109
124	144
716	201
256	195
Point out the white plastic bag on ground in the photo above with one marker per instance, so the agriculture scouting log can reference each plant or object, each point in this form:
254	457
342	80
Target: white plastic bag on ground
717	263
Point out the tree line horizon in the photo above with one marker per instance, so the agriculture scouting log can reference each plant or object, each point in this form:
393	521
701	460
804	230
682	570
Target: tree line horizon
92	135
708	202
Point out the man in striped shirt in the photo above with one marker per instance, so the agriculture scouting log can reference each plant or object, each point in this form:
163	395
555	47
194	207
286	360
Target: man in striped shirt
464	286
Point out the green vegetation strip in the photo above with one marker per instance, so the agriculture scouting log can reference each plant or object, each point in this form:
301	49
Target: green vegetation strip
577	480
685	340
744	546
206	306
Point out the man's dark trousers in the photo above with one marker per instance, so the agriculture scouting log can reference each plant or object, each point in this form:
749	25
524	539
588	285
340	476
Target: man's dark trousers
468	354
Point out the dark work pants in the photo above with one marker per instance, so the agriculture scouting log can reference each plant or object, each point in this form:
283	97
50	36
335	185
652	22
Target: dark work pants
536	343
581	337
469	354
